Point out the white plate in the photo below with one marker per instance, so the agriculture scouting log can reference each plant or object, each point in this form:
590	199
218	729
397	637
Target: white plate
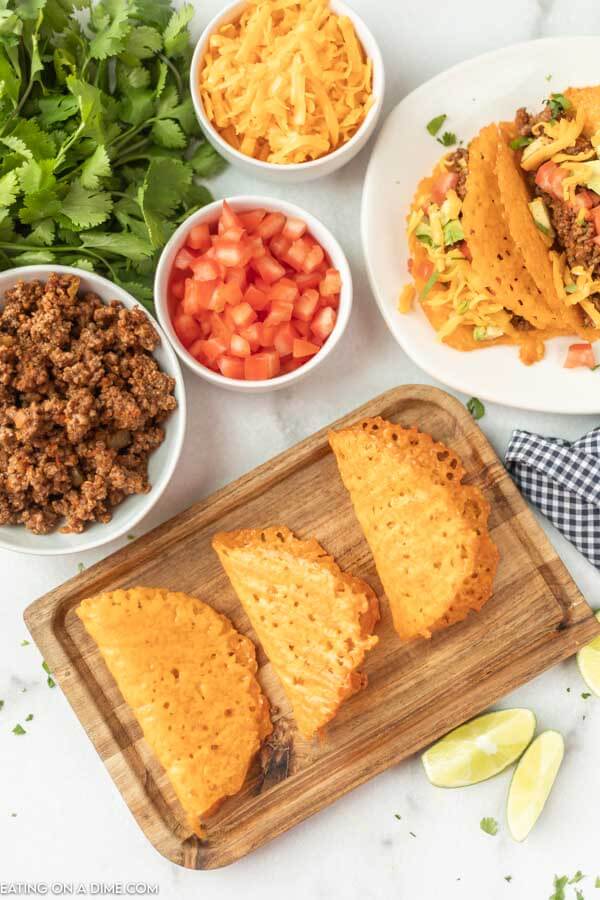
490	87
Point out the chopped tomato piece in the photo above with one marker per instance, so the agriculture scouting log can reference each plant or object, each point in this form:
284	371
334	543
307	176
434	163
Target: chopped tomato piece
281	311
199	237
303	328
297	254
422	270
306	306
232	253
251	219
280	246
239	346
229	219
187	329
307	280
206	269
184	259
303	348
243	315
549	177
289	364
197	296
257	299
464	249
267	334
256	246
177	288
231	367
324	322
580	355
293	228
234	234
268	268
314	258
212	349
227	293
284	339
253	335
263	365
219	328
271	225
238	275
284	289
331	284
443	183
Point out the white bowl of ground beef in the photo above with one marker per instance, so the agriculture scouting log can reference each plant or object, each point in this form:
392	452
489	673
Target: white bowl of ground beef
160	435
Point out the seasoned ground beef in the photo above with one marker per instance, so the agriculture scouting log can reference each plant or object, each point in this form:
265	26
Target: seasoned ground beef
81	405
524	121
521	324
575	237
459	162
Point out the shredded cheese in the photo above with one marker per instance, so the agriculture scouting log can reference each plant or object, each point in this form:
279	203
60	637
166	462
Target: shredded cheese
287	82
556	136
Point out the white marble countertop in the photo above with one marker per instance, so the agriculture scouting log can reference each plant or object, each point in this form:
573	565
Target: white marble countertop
71	824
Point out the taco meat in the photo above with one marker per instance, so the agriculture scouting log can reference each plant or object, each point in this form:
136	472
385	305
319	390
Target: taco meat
459	162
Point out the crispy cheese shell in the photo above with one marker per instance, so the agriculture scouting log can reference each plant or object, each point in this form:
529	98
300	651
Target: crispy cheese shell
314	621
427	531
190	679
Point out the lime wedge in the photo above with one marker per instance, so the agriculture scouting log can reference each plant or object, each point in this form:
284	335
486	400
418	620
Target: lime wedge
480	748
588	660
532	782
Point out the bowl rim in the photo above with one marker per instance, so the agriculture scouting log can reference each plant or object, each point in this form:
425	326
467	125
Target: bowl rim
272	204
106	532
368	122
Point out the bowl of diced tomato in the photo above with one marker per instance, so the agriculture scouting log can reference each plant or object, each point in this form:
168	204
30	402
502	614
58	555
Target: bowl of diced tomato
253	293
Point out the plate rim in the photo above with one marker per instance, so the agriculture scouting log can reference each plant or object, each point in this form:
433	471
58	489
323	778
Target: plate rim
411	351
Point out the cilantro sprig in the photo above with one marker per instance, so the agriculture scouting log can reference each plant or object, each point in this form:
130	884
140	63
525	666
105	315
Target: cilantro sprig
99	143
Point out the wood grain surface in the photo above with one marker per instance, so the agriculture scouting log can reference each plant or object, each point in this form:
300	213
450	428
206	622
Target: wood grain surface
416	692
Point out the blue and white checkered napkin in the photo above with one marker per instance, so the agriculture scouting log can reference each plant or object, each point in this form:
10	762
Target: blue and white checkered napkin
563	481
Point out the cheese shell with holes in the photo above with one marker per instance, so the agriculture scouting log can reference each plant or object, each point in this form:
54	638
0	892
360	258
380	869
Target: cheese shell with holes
190	679
314	621
427	531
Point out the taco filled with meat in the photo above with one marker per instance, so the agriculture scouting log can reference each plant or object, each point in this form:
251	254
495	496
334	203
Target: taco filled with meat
548	170
470	277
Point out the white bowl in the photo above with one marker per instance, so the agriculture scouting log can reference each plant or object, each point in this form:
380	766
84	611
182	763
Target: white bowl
161	463
211	214
291	173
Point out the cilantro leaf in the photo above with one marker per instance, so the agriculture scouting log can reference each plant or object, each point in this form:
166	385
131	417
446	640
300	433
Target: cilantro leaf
110	21
175	36
508	878
558	104
519	142
25	642
448	139
95	167
586	695
489	825
205	161
18	730
86	208
476	408
1	705
144	41
57	108
29	718
435	124
577	877
165	182
167	133
9	188
122	243
597	882
560	883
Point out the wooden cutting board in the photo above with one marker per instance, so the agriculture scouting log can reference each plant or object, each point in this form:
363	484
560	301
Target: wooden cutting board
416	692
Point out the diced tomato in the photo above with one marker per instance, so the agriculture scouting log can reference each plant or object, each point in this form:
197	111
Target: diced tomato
229	320
293	228
232	253
243	315
306	306
580	355
257	299
303	328
289	364
253	335
331	284
239	346
324	322
303	348
314	258
423	270
281	311
307	280
443	183
251	219
206	269
219	328
263	365
271	225
256	246
197	296
184	259
237	275
226	293
268	268
464	249
549	177
297	254
267	334
596	219
187	329
229	219
199	237
284	289
212	349
280	246
197	350
231	367
234	234
284	339
177	288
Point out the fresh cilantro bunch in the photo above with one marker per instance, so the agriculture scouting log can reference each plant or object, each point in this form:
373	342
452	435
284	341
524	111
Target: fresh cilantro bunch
99	144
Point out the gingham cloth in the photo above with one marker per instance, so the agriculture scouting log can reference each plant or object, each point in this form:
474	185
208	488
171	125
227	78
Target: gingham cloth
563	481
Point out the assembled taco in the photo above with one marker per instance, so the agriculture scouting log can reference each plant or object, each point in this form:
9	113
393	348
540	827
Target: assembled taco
548	170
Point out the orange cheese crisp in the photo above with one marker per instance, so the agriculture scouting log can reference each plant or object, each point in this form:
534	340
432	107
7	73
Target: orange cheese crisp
313	620
190	680
286	82
427	531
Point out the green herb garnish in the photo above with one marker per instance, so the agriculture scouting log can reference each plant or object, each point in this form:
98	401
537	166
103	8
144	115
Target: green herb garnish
508	878
24	643
520	142
489	825
477	410
558	104
18	729
412	834
50	680
453	232
1	705
131	537
435	124
586	695
542	228
429	283
80	567
396	816
448	139
29	717
577	877
570	288
99	142
560	884
597	882
579	894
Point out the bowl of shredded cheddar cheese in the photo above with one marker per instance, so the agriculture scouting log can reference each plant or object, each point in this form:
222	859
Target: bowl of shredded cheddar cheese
287	92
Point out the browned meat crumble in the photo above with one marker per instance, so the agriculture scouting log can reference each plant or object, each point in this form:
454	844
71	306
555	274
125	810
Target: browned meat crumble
459	162
81	405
